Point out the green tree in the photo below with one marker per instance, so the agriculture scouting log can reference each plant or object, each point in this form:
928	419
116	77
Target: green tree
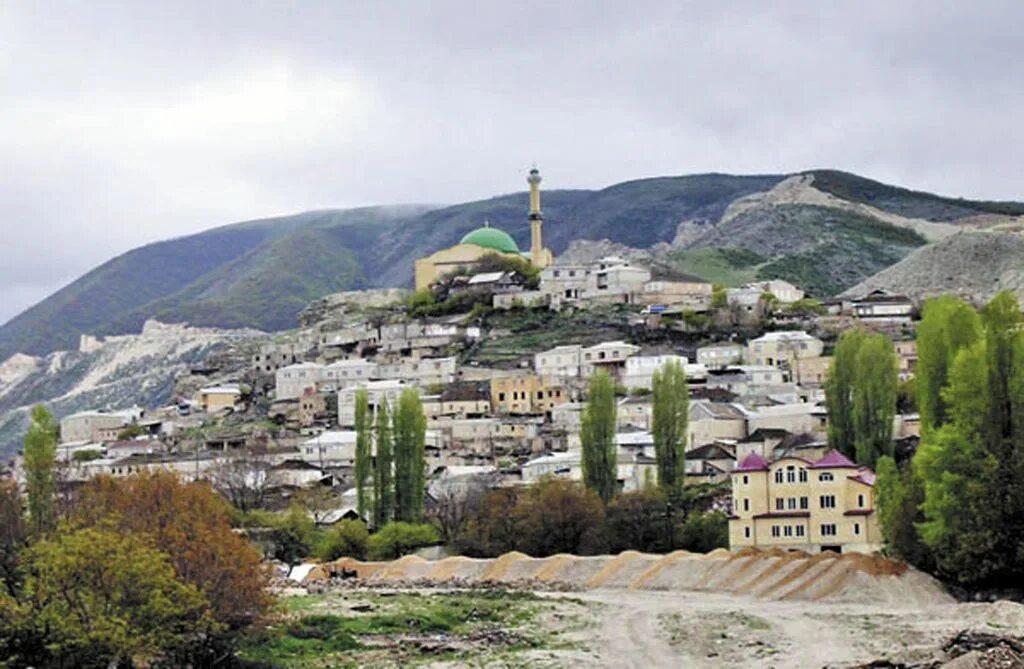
874	399
597	437
899	494
397	539
99	598
839	385
40	457
637	521
364	455
669	424
349	538
559	516
948	324
410	442
719	297
383	469
13	536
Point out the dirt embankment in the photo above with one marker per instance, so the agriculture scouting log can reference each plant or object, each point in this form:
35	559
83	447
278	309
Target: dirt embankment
773	574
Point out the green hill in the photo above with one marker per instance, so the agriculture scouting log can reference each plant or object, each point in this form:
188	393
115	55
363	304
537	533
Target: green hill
262	273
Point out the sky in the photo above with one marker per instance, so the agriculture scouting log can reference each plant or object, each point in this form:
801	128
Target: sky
127	123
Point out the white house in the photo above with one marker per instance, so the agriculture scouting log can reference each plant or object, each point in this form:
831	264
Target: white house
378	391
774	348
717	356
560	362
337	447
639	369
292	381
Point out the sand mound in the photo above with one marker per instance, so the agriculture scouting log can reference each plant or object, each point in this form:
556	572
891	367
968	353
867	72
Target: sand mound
769	574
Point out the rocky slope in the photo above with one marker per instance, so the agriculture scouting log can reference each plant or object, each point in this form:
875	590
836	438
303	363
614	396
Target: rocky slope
825	230
112	373
976	265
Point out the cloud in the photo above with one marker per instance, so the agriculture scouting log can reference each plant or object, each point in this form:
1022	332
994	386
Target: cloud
124	123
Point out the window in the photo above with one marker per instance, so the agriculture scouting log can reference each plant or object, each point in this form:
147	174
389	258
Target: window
799	530
791	474
803	475
805	503
828	530
775	531
780	504
828	501
856	528
791	503
746	480
746	504
788	530
746	532
778	476
860	501
540	394
826	476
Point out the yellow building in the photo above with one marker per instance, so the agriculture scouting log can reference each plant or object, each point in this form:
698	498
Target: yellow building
219	398
793	503
526	394
486	241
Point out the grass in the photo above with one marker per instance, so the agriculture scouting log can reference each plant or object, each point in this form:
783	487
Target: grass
727	266
356	628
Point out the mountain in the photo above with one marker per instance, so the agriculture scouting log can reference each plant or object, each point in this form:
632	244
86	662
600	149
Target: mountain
974	264
825	230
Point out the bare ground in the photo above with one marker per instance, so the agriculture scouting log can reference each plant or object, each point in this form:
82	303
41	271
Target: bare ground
649	630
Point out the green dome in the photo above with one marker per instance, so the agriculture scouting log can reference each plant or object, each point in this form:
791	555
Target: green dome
491	238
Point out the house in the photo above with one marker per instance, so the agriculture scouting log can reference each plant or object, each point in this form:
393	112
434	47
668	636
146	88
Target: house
465	399
314	409
337	447
796	417
635	411
639	370
811	371
292	381
271	357
420	371
713	421
793	503
710	463
343	373
688	295
883	308
761	441
96	426
906	351
219	398
294	473
719	356
526	394
776	348
633	471
749	380
610	356
560	362
377	391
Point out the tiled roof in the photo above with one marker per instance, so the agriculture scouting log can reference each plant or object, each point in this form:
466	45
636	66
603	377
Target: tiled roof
833	460
865	476
752	463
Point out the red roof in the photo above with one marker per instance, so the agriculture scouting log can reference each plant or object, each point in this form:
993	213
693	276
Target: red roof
753	463
833	460
865	476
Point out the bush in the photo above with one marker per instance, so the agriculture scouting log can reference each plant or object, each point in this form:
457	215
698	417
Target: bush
704	532
639	521
87	455
294	536
349	538
397	539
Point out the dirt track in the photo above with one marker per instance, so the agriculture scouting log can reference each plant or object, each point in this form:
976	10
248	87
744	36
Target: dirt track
650	630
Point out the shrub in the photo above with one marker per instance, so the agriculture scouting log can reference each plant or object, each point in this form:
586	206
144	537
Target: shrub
704	532
397	539
349	538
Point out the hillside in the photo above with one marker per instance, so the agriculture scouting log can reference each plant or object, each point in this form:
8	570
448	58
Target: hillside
825	230
974	264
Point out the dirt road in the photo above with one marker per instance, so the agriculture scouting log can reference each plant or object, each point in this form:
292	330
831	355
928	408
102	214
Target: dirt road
650	630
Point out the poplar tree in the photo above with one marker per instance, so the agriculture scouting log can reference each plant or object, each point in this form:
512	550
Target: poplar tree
948	324
364	455
40	457
597	436
874	399
410	441
383	477
671	399
839	392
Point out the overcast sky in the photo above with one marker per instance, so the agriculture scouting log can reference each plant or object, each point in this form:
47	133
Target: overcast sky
124	123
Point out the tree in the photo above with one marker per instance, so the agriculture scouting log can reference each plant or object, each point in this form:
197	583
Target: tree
704	532
99	598
13	535
669	424
397	539
190	523
243	480
597	437
317	501
364	455
948	325
899	494
559	516
40	456
874	399
349	538
636	521
493	527
383	469
719	297
410	441
839	384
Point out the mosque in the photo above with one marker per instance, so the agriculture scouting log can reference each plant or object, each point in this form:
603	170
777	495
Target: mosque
485	241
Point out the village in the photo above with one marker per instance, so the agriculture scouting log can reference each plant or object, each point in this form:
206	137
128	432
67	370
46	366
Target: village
500	346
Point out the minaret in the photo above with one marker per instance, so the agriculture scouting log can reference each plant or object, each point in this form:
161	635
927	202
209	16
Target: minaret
537	255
